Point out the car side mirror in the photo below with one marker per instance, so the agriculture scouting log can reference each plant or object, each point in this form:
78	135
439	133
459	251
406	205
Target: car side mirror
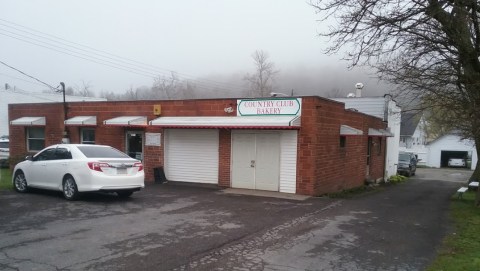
28	158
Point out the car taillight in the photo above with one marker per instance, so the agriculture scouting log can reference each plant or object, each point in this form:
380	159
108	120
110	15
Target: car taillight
139	165
97	166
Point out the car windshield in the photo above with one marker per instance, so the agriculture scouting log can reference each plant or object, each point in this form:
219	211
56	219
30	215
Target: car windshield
404	157
4	145
101	152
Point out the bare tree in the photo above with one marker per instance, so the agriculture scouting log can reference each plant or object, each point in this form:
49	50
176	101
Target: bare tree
261	82
428	48
84	90
109	95
167	86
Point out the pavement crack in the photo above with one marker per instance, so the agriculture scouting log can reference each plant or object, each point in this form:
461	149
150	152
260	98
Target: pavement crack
245	250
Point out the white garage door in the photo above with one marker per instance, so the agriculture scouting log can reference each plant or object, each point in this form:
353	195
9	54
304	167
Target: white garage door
191	155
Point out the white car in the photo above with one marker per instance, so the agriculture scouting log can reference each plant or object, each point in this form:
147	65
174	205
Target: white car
76	168
4	152
456	162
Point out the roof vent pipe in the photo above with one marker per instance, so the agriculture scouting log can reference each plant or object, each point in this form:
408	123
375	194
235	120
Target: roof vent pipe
358	90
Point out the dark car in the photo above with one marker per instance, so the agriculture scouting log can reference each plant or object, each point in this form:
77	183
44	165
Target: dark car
407	164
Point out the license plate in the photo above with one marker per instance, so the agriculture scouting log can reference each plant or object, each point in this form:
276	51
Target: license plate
121	171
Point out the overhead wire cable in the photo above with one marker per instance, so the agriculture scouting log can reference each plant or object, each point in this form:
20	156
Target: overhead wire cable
34	78
95	60
18	78
203	82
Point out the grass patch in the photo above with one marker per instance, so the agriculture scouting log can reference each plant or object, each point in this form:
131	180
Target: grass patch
5	179
397	179
461	249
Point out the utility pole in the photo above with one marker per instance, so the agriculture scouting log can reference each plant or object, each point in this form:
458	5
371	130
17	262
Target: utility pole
65	133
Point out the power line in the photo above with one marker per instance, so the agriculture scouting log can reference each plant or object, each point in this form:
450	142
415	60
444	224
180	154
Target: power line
144	68
36	79
95	60
18	78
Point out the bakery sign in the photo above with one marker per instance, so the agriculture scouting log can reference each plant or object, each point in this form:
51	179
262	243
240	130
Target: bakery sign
263	107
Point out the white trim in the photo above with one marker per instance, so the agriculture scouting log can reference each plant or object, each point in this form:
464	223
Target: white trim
288	161
29	121
228	122
82	121
127	121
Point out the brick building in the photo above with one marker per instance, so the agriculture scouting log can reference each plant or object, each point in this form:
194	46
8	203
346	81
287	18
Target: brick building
305	145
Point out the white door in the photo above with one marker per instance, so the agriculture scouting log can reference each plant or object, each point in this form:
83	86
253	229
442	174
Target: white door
255	161
243	161
267	162
191	155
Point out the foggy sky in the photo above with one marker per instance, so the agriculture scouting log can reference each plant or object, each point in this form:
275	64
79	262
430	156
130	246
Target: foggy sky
206	40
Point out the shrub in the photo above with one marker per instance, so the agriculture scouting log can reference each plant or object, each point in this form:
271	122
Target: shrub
397	178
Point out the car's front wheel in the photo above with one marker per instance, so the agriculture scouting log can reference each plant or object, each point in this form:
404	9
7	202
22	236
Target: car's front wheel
20	183
70	191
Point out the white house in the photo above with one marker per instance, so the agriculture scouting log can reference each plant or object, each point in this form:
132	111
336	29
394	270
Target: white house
16	97
451	146
387	110
413	136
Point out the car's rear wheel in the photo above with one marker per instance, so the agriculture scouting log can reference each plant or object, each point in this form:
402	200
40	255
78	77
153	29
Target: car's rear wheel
20	183
70	191
124	194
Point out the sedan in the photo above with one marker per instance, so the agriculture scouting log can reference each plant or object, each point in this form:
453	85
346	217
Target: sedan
76	168
456	162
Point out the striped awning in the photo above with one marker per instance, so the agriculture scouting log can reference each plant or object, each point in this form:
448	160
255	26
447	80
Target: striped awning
250	122
82	121
29	121
127	121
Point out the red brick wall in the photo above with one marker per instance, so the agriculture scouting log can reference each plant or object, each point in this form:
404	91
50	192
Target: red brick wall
325	167
322	165
225	149
53	114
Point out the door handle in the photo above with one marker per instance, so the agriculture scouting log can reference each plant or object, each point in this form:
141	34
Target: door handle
252	163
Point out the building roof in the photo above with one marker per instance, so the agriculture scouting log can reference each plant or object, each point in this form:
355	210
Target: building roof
374	106
409	124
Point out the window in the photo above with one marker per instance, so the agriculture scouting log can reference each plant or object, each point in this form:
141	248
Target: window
35	138
62	153
101	152
87	136
343	141
45	155
379	147
369	149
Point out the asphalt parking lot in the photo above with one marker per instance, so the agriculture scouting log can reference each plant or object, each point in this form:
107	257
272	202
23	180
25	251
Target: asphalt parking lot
172	227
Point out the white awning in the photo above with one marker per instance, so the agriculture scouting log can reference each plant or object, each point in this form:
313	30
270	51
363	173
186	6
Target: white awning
29	121
250	122
82	121
347	130
379	132
127	121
